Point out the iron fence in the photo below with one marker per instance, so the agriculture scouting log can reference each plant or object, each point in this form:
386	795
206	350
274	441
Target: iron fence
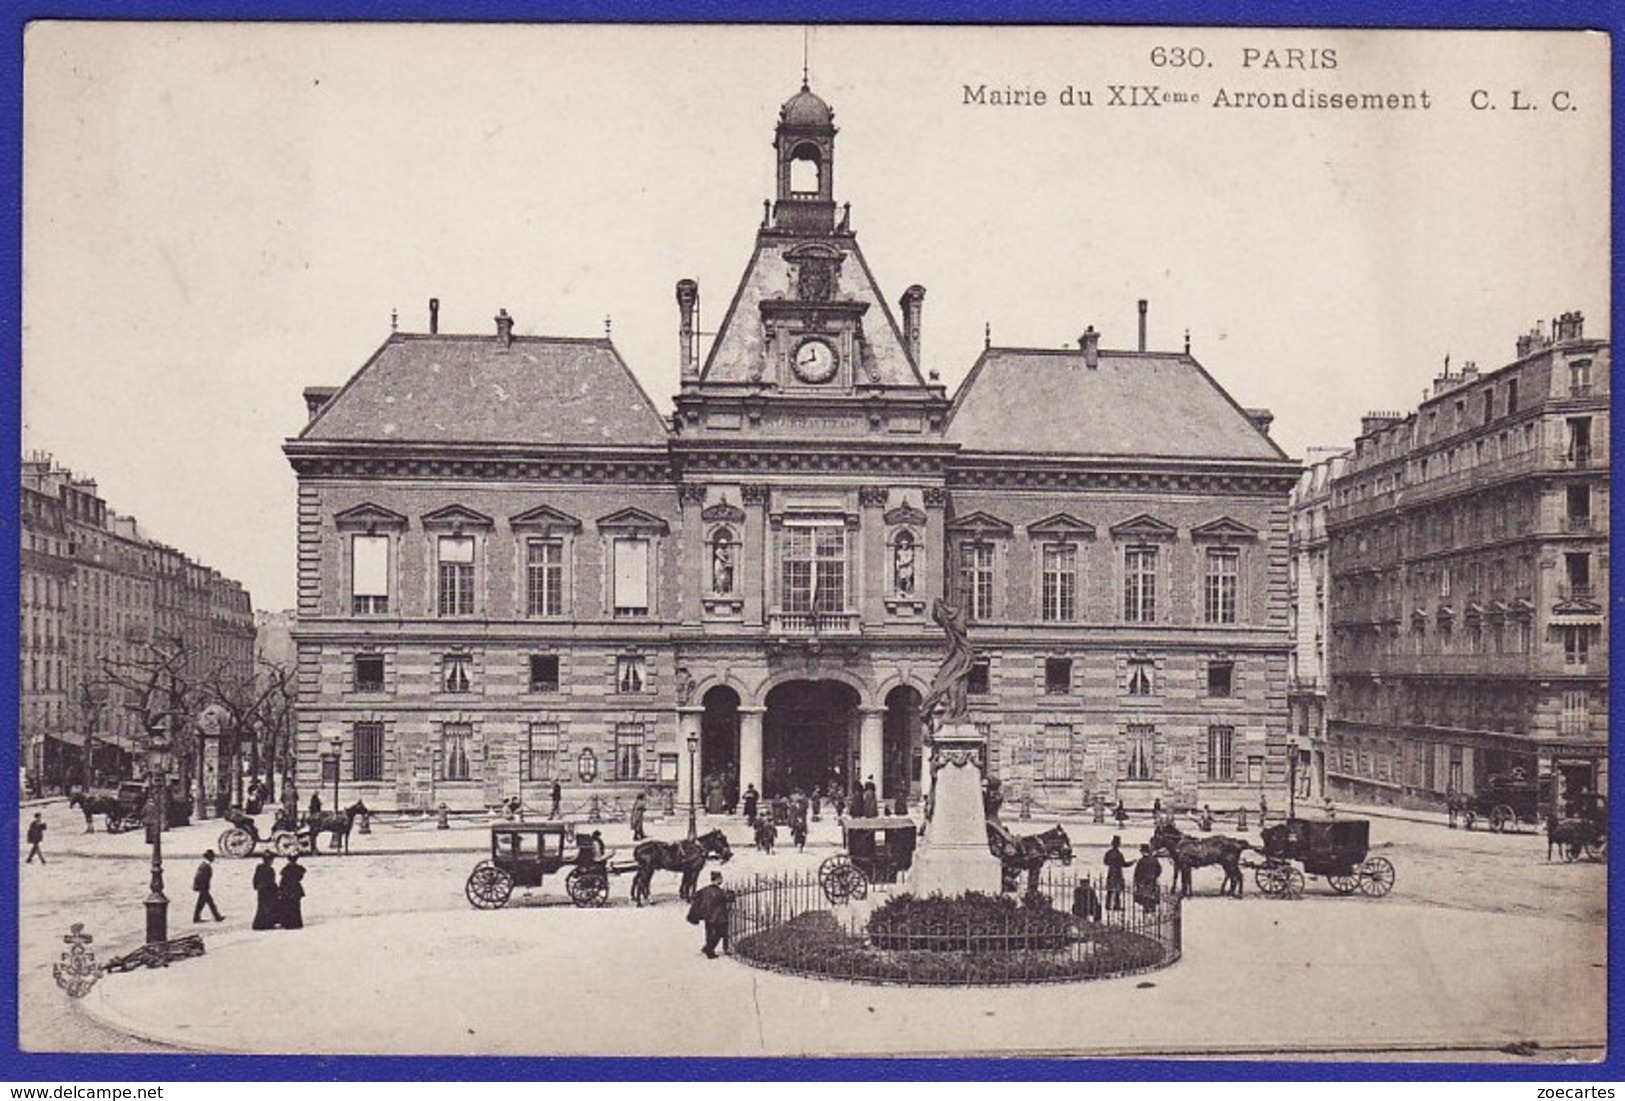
1061	932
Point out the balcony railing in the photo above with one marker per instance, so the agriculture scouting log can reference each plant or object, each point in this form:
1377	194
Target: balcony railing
813	623
1572	591
1579	524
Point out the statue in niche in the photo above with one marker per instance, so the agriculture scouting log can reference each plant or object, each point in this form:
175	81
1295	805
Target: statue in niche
722	563
903	565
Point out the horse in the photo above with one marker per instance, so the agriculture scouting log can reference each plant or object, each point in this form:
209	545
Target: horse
90	805
338	824
685	857
1026	853
1189	853
1569	836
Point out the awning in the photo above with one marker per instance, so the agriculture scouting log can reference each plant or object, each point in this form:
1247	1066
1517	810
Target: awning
1576	619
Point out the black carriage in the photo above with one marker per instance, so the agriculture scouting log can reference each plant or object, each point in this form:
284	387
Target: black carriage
1337	849
878	850
1506	801
126	807
524	853
1582	828
248	832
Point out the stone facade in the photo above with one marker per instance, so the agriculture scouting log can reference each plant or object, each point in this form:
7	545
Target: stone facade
529	574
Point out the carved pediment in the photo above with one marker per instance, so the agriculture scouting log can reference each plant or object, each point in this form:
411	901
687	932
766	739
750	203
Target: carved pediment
1225	530
723	513
633	521
1062	525
544	518
1144	526
456	516
369	517
979	523
904	516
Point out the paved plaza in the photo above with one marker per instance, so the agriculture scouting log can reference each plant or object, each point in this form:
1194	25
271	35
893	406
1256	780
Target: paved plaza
1482	945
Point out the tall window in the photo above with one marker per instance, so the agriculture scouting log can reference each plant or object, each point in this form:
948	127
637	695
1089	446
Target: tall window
631	673
1057	676
454	670
544	672
1576	645
1060	603
454	743
976	579
1578	567
456	558
1580	377
367	762
1512	395
1220	752
544	577
1576	711
369	574
1140	584
1219	585
1057	760
631	578
1579	451
1141	739
979	683
1489	406
1141	672
629	739
1220	677
369	672
541	760
813	568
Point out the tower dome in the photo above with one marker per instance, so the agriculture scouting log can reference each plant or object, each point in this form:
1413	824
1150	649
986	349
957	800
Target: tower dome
805	108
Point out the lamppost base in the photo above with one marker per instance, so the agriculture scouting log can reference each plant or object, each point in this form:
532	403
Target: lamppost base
157	918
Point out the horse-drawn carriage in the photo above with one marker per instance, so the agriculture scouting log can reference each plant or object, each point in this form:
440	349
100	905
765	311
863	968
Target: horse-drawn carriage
1506	801
1338	849
878	850
125	807
524	853
1583	828
248	832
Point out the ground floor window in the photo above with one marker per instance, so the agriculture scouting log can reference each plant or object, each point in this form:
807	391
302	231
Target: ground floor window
367	760
454	743
629	739
1141	746
1220	752
1057	759
541	759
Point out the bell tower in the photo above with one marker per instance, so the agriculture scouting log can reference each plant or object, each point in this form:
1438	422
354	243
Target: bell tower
805	143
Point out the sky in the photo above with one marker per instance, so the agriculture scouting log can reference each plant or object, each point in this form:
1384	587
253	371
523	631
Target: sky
217	216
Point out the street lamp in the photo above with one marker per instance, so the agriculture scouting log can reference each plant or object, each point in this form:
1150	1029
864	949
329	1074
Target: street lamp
338	756
693	749
157	903
1292	779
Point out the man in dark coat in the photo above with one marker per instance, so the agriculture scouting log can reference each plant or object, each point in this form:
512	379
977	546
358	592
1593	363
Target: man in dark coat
1115	862
710	906
291	895
639	809
556	794
36	834
265	892
202	881
751	799
1147	873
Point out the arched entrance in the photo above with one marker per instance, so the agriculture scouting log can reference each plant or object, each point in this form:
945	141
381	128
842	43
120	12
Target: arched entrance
902	742
809	736
719	749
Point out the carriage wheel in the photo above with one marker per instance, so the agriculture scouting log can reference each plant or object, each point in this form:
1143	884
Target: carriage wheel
1294	884
1571	851
1377	876
488	887
236	842
117	823
1502	818
587	886
1597	850
1345	884
286	843
1271	878
832	877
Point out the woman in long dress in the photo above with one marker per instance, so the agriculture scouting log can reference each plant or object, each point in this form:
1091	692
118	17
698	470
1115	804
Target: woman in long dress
265	893
292	894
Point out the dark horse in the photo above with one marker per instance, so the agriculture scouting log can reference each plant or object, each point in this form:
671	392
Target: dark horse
338	824
1028	853
686	857
91	804
1189	853
1572	836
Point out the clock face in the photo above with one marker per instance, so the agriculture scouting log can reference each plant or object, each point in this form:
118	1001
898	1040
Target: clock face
815	361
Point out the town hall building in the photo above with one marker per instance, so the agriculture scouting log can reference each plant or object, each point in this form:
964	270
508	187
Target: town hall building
514	569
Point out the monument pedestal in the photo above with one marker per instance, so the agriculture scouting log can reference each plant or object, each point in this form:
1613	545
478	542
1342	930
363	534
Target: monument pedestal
954	857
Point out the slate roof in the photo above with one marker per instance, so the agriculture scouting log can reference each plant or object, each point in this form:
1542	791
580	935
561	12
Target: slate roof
1133	404
421	388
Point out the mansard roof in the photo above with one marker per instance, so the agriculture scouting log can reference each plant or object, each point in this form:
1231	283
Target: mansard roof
436	388
1130	404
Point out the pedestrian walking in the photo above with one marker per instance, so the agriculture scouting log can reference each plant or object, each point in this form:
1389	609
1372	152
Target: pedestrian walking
556	793
1147	874
202	882
265	893
710	906
1115	862
1120	814
291	895
36	834
798	821
751	799
639	808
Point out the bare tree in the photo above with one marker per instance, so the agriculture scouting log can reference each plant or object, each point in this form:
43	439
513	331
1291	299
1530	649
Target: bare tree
261	711
160	692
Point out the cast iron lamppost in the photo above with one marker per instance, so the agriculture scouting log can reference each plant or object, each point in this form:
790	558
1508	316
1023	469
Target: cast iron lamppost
338	755
1292	779
693	749
157	902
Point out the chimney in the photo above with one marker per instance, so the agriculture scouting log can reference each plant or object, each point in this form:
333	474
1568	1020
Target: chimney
688	298
1261	418
1090	343
434	316
504	328
912	302
1144	305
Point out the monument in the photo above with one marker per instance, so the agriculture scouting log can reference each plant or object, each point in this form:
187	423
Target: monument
954	856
